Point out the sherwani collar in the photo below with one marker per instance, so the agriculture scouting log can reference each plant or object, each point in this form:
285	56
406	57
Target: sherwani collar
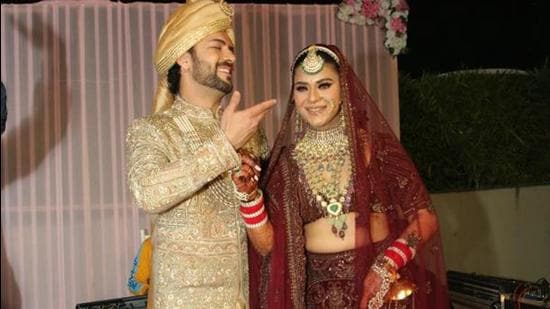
195	110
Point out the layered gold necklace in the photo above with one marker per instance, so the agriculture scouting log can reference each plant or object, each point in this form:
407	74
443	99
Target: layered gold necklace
324	157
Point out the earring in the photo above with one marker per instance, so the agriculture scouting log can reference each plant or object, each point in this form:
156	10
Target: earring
342	118
299	123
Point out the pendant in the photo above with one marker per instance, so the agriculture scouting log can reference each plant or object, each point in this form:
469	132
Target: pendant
334	213
339	225
334	208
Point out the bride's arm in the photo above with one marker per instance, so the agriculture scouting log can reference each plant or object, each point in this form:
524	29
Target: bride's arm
253	209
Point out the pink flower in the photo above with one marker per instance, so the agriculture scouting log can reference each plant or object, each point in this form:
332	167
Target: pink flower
398	25
350	2
402	6
371	8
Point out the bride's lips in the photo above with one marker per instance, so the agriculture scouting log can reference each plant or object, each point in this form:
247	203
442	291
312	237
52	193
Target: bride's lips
315	109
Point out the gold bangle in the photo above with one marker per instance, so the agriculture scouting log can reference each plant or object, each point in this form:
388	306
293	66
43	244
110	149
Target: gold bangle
254	202
243	196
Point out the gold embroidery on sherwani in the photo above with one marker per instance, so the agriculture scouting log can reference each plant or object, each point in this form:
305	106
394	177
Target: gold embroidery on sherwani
177	166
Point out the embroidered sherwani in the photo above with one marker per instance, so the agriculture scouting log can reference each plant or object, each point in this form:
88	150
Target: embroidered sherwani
178	163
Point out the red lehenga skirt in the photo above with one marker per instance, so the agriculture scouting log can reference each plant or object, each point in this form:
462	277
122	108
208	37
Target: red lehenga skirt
331	282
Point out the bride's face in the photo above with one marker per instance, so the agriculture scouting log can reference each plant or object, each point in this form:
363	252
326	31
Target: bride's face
317	96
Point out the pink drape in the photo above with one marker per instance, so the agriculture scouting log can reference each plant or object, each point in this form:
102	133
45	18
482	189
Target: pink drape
76	73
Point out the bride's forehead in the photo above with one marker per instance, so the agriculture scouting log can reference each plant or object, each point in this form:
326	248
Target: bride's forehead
328	71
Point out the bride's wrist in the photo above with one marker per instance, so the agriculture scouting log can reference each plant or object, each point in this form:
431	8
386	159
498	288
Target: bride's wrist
244	197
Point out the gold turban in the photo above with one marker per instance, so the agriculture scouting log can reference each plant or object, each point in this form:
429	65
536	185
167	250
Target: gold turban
185	27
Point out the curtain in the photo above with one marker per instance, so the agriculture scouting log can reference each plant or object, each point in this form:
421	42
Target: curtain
77	73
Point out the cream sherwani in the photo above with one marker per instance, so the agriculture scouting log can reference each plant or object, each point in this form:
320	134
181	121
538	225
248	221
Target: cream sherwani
178	163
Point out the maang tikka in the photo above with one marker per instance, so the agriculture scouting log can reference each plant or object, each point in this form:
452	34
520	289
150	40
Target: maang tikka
312	63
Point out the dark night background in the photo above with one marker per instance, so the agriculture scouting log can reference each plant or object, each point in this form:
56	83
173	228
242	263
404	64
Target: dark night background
447	35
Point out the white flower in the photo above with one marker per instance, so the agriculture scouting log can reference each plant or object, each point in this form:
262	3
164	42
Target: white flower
385	4
383	12
342	16
396	14
345	9
357	19
345	12
396	43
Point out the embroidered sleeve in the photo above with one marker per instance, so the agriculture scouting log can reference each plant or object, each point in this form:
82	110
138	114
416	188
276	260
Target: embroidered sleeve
257	145
159	181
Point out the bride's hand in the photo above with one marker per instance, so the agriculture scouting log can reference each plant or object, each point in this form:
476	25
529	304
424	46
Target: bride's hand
371	285
246	178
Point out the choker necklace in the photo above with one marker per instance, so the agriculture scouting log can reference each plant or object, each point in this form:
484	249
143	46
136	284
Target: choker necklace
324	157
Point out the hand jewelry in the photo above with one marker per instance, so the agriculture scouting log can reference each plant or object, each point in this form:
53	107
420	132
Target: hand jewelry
388	275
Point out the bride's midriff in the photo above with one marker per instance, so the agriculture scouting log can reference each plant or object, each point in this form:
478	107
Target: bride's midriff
320	239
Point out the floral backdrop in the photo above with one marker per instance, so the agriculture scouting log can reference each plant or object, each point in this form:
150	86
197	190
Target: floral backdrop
390	15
